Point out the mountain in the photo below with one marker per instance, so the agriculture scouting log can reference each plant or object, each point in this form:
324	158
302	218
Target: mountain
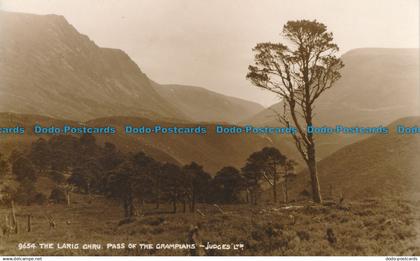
203	105
211	150
378	86
48	68
381	165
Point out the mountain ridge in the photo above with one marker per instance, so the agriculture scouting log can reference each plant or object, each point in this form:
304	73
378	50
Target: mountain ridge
205	105
211	150
47	67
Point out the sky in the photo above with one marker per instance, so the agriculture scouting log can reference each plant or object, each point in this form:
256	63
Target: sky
209	43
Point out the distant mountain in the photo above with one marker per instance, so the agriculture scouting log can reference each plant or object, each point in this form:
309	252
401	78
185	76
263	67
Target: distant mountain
381	165
378	86
22	142
203	105
211	150
47	67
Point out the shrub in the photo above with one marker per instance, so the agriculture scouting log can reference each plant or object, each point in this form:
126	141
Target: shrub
305	194
126	221
25	193
57	176
40	199
57	196
303	235
153	221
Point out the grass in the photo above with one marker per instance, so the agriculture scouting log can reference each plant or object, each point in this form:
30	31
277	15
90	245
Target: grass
368	227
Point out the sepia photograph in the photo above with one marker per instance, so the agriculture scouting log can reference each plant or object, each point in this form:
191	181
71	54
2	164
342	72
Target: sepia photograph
180	128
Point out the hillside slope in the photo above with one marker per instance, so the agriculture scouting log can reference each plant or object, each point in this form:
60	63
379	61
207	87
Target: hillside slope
47	67
381	165
204	105
211	150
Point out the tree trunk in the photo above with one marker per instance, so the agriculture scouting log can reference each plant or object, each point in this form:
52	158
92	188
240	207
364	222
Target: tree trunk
142	205
316	191
184	206
68	198
254	196
158	194
130	205
190	203
29	223
275	187
174	205
158	199
126	208
286	197
193	201
247	196
15	223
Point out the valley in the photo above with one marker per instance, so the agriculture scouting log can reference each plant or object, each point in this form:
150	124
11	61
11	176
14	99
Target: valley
95	156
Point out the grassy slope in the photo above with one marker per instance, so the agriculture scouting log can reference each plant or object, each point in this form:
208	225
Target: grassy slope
369	227
382	165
